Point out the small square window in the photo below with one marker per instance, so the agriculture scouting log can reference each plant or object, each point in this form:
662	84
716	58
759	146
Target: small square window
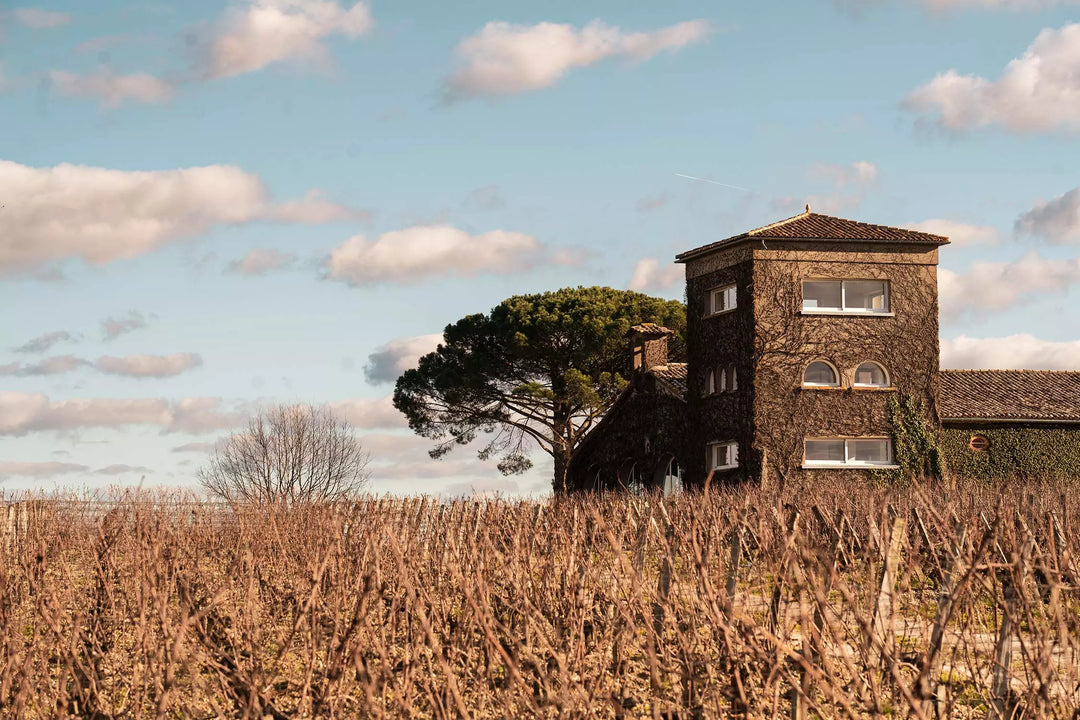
722	455
721	299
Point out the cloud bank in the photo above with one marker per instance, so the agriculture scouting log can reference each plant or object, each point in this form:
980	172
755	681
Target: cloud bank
992	286
426	251
395	357
1057	221
504	59
264	32
1037	92
650	276
1014	352
103	215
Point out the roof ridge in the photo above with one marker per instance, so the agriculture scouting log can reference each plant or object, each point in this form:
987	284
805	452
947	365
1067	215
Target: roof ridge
785	221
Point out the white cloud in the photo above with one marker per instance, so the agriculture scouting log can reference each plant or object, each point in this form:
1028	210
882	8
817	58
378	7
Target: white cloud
264	32
195	447
423	251
369	413
1014	352
314	209
114	327
260	261
121	469
47	366
21	413
1057	221
1039	91
103	215
858	173
44	342
38	469
504	59
148	366
990	286
40	19
395	357
649	276
111	89
959	233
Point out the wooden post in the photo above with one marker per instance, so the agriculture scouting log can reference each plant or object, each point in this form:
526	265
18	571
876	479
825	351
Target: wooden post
930	674
999	698
882	639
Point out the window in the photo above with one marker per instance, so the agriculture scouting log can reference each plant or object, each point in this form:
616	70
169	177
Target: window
847	452
728	380
710	383
979	443
820	374
847	296
870	374
722	455
721	299
672	478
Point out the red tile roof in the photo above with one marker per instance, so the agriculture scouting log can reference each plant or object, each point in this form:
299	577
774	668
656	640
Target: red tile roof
1046	395
814	226
672	378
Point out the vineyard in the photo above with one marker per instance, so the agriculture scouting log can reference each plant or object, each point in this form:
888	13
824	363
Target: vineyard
825	599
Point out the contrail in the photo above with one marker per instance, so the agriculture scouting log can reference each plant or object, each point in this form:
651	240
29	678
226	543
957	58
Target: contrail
691	177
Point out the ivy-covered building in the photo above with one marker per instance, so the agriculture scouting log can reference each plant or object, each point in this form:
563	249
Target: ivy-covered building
812	346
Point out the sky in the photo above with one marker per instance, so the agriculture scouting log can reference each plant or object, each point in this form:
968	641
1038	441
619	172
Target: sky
210	207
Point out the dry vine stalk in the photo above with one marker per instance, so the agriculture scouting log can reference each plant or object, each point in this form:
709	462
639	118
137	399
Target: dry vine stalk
410	607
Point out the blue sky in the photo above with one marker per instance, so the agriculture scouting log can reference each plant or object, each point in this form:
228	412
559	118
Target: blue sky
210	206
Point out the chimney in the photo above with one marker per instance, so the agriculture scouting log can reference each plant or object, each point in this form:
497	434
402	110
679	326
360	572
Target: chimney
648	345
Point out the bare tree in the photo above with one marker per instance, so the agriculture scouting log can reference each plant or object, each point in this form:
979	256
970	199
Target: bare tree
289	453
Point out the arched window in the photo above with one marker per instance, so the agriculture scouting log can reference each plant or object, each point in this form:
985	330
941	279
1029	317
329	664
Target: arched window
723	379
820	374
671	482
733	382
710	383
870	374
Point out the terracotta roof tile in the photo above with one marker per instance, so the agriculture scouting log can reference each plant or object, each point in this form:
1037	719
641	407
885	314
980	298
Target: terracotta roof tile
650	330
1010	395
814	226
672	377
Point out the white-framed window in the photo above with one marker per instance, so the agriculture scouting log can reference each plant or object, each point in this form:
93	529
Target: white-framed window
672	478
722	455
721	299
820	374
867	297
871	374
847	452
729	381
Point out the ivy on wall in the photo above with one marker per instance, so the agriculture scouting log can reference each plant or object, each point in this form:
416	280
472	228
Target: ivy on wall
1033	452
915	441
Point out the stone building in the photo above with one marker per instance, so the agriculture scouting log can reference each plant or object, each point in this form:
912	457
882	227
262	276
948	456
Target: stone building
799	334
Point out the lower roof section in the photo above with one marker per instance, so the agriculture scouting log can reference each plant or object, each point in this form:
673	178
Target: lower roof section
1042	396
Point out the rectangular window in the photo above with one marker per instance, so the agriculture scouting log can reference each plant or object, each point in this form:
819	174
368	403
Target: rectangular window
847	452
848	296
722	455
721	299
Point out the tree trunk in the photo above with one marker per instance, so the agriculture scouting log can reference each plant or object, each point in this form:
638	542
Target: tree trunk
560	480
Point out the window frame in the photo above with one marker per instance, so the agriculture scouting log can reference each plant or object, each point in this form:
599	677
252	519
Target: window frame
848	463
710	307
886	312
863	386
819	386
710	455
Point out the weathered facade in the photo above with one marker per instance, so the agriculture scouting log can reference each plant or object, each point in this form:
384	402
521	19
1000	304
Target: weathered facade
802	336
